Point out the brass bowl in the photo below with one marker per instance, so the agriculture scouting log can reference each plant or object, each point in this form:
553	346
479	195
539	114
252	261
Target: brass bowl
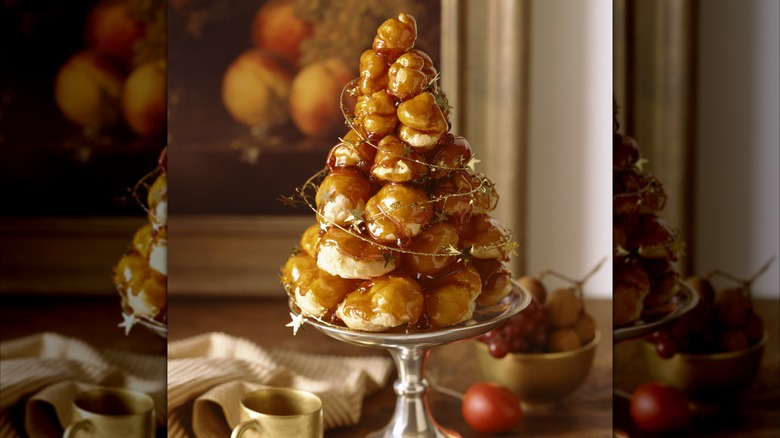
707	378
539	378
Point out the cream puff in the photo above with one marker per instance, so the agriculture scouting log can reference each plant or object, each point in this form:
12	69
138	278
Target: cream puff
410	75
422	121
395	162
346	255
310	239
341	195
375	114
397	213
373	73
487	237
158	251
657	239
435	240
353	152
451	299
157	202
382	303
452	153
631	286
143	290
315	292
142	240
664	282
496	280
395	36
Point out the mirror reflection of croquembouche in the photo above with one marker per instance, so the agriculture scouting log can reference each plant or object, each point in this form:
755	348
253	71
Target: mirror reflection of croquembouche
404	240
141	274
646	246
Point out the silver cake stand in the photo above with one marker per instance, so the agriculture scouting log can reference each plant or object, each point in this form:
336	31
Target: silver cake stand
412	416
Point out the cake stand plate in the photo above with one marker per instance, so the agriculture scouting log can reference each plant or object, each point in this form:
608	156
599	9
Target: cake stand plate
412	416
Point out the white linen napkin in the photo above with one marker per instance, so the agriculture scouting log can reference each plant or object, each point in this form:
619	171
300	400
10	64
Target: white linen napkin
209	373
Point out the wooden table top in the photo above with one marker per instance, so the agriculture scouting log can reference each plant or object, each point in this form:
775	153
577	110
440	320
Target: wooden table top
587	412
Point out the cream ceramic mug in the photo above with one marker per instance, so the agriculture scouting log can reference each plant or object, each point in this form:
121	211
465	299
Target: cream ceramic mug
280	412
112	412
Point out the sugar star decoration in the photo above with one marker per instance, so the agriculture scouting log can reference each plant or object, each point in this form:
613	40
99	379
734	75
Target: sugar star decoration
463	254
128	322
327	197
640	163
388	257
288	201
440	216
296	323
473	162
356	215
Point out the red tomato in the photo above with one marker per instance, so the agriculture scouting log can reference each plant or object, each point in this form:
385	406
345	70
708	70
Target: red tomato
490	408
656	407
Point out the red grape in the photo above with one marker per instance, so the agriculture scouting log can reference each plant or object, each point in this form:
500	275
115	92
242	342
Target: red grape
498	348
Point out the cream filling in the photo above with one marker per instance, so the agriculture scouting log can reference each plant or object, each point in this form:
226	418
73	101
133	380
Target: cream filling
332	261
337	210
377	323
139	304
158	257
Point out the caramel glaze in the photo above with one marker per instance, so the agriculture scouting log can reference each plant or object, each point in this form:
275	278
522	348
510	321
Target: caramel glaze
352	152
394	164
449	299
637	192
420	198
397	213
657	238
310	240
664	281
446	296
433	240
351	246
134	277
410	74
347	182
394	37
394	294
496	280
443	272
453	152
484	230
301	276
373	73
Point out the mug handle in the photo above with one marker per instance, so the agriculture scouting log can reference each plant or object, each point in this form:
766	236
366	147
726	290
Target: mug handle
71	431
245	426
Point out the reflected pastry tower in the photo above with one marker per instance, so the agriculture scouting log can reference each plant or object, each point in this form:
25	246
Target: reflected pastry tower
142	272
645	245
403	235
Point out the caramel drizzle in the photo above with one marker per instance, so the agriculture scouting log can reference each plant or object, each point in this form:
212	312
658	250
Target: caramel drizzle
349	117
307	192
